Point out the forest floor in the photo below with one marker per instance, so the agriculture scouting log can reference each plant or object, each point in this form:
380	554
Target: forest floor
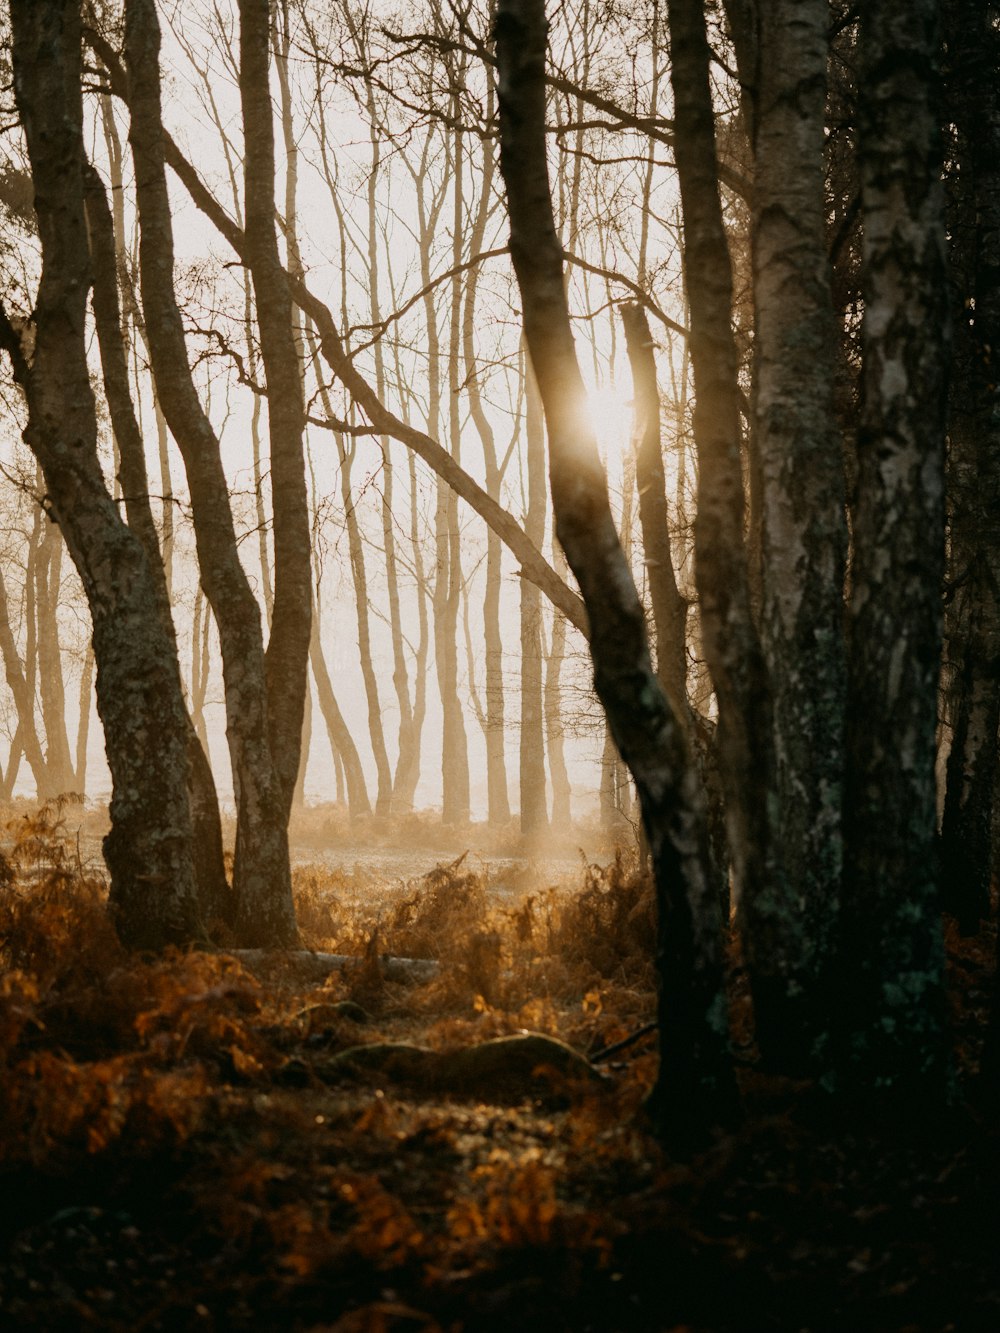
186	1143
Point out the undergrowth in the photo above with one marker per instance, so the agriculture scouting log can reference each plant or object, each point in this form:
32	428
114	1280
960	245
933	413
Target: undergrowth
182	1146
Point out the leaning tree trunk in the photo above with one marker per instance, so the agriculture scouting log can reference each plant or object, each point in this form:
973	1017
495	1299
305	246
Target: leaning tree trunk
799	458
890	996
148	849
695	1081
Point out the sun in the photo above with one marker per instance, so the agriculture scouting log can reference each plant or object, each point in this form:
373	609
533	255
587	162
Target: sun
611	415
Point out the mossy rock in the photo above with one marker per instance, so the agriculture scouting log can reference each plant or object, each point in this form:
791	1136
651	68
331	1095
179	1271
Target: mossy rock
505	1067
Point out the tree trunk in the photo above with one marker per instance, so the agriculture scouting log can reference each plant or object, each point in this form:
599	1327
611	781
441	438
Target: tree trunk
668	606
890	1001
263	779
52	693
209	865
534	813
148	849
973	486
341	741
694	1086
798	457
731	647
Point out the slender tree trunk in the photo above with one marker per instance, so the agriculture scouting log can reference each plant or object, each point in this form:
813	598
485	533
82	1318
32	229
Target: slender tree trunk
341	741
534	813
287	657
668	606
19	684
52	693
148	849
496	766
890	1001
448	544
695	1082
555	726
83	726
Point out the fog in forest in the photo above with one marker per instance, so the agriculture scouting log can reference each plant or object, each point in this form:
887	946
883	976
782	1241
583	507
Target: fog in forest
500	629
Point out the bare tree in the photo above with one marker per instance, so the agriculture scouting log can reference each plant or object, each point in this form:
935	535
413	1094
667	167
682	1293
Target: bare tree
148	850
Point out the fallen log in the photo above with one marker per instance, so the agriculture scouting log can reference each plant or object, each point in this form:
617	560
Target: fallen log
524	1063
317	966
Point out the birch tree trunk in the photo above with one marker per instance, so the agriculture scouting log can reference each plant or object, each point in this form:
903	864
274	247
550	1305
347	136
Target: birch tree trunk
148	849
695	1082
890	1001
798	454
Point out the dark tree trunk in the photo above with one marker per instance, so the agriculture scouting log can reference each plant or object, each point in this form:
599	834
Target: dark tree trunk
148	850
890	1000
731	646
287	657
695	1086
973	622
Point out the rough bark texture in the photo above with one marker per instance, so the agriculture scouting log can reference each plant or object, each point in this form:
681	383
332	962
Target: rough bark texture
148	849
287	657
803	539
210	871
731	647
694	1082
973	621
891	997
261	872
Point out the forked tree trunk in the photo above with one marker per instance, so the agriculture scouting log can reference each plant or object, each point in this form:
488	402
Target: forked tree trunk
210	872
695	1085
148	849
264	751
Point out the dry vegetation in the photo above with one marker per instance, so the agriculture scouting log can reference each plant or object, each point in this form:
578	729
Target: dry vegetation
187	1144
